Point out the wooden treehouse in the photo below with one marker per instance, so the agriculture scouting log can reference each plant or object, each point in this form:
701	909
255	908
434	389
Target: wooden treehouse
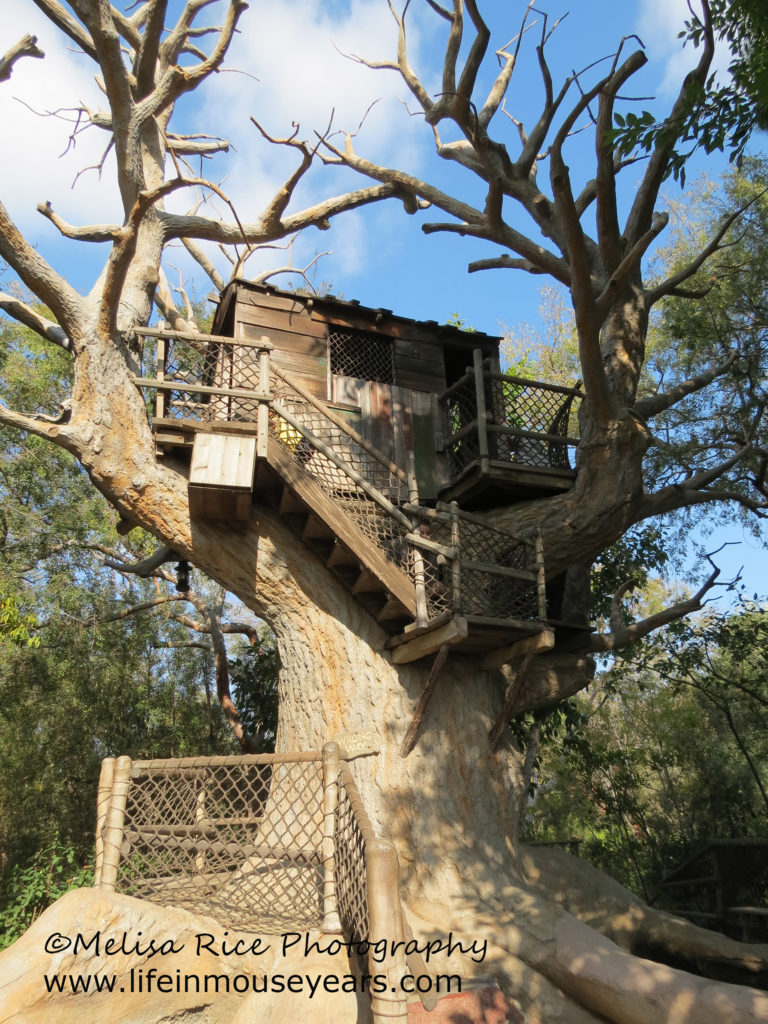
377	439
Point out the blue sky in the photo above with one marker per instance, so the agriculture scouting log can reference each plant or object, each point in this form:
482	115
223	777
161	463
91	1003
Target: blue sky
286	66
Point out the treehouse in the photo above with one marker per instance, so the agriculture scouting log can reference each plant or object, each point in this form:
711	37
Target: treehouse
378	439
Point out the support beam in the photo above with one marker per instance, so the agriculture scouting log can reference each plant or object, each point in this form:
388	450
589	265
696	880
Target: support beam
543	641
452	632
412	733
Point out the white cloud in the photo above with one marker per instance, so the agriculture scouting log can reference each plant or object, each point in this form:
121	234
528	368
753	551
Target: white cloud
286	67
32	168
658	25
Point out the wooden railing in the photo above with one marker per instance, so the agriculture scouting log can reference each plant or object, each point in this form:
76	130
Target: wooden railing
458	563
496	418
264	838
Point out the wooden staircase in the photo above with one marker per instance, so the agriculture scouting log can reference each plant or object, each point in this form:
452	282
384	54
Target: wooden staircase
334	536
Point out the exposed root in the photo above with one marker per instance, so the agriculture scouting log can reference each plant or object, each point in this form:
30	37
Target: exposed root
603	904
561	969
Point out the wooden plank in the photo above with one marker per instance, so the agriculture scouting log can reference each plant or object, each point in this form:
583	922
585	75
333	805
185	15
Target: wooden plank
290	505
452	632
289	321
341	556
395	581
543	641
316	529
222	460
392	610
367	583
498	570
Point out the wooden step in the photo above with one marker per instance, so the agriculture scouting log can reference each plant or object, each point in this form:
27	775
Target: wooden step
392	611
290	505
316	529
367	583
301	485
341	557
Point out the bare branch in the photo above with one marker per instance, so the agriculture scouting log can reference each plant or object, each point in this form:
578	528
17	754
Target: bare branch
89	233
199	256
622	636
68	25
639	219
188	226
67	306
26	47
147	566
654	404
30	317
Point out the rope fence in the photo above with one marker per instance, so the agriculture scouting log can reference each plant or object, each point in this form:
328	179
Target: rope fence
264	843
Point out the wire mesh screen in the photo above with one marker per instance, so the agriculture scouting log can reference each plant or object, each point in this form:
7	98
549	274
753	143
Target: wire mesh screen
349	853
527	422
238	838
519	405
330	434
362	354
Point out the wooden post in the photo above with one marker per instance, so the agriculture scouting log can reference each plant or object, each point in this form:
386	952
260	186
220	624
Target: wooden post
419	579
412	733
331	765
114	825
456	567
162	362
106	777
482	414
199	817
541	576
262	443
386	922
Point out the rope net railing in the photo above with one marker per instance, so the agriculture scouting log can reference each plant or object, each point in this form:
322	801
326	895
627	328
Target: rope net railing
458	564
508	419
262	843
239	837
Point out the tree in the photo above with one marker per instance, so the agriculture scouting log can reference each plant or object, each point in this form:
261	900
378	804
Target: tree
452	804
717	115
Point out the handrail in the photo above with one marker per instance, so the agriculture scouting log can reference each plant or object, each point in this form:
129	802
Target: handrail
341	423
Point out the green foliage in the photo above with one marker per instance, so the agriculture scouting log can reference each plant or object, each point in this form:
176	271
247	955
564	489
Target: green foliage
719	116
728	322
672	751
254	682
14	625
32	886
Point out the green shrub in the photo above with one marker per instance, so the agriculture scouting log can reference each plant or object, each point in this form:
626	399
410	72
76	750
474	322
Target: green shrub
32	886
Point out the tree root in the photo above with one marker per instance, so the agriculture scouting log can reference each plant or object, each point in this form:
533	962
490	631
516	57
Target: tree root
605	905
561	969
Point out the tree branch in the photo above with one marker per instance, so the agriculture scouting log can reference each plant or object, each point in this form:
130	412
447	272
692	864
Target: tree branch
654	404
640	215
64	21
622	636
30	317
194	226
69	308
26	47
671	284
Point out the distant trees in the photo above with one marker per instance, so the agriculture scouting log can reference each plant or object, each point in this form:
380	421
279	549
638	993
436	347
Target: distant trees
669	749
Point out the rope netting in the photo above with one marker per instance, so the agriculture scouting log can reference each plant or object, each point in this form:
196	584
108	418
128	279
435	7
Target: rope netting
238	838
528	422
470	568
